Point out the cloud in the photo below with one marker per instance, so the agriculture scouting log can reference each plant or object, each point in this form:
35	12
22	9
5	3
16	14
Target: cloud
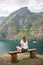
4	13
8	6
36	5
21	2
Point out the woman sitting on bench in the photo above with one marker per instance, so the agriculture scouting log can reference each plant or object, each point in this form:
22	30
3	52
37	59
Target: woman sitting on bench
23	45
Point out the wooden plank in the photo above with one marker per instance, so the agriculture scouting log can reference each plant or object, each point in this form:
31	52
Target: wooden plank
14	54
33	54
13	58
31	50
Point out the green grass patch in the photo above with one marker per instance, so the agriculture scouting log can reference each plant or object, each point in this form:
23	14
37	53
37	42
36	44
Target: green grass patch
26	53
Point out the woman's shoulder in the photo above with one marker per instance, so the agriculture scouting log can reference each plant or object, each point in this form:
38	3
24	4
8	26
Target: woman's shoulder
21	41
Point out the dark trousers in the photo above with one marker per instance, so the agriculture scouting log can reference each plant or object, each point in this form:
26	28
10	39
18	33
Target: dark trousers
23	50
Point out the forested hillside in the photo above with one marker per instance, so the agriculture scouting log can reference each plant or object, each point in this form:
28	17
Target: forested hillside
22	22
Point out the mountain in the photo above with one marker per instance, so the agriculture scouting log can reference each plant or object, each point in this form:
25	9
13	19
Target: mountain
22	22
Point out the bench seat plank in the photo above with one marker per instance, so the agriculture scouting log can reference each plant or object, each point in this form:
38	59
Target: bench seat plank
14	54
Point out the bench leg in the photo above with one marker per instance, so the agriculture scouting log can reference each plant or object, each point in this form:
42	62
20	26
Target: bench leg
32	54
13	58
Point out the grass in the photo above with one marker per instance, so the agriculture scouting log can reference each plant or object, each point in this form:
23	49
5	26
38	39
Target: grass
28	61
41	58
23	59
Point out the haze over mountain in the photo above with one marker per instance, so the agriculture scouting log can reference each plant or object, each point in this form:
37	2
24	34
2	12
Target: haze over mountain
22	22
2	19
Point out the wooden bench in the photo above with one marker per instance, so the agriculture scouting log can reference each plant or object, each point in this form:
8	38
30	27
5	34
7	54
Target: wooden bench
14	54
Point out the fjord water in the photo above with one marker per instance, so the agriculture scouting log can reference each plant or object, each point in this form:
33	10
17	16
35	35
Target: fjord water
8	45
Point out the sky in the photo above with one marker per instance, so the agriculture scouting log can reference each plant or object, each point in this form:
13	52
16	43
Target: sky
8	6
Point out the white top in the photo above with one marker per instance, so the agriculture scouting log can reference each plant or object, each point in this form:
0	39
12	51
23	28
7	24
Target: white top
24	44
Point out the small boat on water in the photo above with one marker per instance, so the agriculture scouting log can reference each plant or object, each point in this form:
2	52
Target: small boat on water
34	41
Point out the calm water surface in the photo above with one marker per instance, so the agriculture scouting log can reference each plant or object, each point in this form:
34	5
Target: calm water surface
6	45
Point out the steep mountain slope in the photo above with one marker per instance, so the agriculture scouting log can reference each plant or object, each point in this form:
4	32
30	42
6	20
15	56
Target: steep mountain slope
22	22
